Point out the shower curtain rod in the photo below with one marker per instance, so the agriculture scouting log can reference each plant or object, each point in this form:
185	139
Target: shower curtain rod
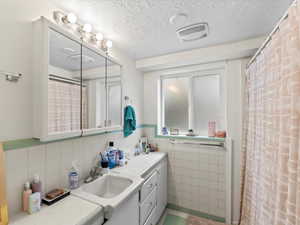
269	38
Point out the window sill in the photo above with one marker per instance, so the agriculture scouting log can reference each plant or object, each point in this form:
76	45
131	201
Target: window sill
198	138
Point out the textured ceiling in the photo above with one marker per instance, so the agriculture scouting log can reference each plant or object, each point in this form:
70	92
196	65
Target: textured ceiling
142	28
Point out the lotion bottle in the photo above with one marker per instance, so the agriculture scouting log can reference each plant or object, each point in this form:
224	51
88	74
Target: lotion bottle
36	184
26	193
34	202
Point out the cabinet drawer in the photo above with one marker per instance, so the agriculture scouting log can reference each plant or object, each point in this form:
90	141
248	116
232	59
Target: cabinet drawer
151	219
147	206
148	186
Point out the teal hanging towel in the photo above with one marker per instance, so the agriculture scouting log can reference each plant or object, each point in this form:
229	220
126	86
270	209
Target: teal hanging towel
129	121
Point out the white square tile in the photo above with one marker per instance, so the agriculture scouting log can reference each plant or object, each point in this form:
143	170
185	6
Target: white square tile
16	176
36	163
53	167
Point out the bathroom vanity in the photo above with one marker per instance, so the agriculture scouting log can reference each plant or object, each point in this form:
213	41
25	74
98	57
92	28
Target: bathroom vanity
135	194
140	194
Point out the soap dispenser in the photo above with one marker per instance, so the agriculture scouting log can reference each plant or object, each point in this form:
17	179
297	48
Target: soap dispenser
74	177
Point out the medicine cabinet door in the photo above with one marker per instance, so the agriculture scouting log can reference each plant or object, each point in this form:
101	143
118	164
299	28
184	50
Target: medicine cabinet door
64	85
93	91
114	94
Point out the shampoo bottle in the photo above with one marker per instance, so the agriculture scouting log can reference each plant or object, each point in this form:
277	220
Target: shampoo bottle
26	193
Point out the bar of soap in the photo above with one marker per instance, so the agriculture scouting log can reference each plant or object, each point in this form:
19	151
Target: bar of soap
54	193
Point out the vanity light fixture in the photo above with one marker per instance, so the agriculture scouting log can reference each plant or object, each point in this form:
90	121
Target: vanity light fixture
87	28
99	36
69	18
108	43
84	30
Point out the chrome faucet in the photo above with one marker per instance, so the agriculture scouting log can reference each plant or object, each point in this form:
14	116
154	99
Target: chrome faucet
95	172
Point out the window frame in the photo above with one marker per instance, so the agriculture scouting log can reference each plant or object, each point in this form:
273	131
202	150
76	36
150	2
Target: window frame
190	75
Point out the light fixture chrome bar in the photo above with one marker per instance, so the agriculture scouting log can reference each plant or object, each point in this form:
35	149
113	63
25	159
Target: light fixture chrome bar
269	38
11	76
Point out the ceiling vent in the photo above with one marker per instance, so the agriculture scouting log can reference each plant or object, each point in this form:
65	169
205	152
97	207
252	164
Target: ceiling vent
193	32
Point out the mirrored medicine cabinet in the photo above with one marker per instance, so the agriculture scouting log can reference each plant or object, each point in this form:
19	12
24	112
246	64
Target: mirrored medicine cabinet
77	87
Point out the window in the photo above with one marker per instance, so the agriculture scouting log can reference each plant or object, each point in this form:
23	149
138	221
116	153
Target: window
190	101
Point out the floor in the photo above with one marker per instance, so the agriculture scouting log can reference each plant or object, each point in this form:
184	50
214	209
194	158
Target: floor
172	217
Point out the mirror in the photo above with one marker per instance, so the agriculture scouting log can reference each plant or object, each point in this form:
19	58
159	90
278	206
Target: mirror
93	90
64	85
114	94
84	87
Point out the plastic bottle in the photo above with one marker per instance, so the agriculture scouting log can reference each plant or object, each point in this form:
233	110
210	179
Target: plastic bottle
26	193
74	177
34	202
111	155
36	184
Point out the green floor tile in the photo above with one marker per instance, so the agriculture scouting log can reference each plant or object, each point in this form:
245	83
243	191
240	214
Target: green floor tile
174	220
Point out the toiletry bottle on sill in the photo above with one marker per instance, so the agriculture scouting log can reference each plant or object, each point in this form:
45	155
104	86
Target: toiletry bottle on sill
211	128
26	193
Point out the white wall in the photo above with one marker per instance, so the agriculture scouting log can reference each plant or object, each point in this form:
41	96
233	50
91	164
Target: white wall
234	73
51	161
16	54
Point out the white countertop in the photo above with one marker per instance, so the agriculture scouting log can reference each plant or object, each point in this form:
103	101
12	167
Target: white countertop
140	165
71	211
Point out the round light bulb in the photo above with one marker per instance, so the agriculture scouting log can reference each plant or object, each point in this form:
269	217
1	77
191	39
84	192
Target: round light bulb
71	17
99	36
108	43
87	28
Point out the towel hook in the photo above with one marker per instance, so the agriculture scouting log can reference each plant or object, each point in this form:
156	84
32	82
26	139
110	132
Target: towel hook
127	100
13	77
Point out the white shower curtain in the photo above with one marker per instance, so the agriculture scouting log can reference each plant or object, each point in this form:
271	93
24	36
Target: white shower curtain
271	168
64	107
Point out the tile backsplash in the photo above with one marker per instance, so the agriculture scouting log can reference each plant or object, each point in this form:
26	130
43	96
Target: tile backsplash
53	162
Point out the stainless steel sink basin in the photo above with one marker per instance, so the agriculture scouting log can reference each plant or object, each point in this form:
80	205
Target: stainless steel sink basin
108	186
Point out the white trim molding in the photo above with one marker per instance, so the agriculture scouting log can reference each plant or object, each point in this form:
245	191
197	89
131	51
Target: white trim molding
228	51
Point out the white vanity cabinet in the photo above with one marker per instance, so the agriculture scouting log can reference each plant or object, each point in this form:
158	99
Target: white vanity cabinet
127	213
153	195
162	189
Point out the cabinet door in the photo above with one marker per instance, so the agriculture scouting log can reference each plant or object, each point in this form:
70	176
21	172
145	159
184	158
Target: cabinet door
162	190
93	90
114	94
127	213
64	84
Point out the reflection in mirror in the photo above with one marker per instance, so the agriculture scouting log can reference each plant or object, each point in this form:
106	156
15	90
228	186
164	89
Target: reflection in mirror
114	93
64	84
94	93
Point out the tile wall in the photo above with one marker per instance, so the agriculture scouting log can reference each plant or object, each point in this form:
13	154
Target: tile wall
196	176
53	162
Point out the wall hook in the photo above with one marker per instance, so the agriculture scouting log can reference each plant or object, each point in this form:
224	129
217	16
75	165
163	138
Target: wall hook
10	76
